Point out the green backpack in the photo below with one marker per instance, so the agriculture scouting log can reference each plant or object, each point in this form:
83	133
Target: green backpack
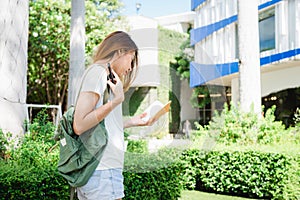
79	156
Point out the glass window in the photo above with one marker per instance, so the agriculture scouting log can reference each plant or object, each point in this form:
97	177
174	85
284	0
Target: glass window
267	30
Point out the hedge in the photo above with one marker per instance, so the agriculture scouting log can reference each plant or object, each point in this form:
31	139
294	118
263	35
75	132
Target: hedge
247	174
30	172
162	176
155	176
31	182
146	176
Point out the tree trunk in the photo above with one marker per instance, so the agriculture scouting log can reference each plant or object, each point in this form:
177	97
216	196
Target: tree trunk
249	56
13	64
77	48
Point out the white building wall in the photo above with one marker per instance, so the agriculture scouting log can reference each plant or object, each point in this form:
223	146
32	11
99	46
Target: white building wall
281	27
216	48
221	46
283	74
215	10
295	7
278	80
291	23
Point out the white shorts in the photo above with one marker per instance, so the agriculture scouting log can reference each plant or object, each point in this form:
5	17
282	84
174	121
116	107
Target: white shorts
104	185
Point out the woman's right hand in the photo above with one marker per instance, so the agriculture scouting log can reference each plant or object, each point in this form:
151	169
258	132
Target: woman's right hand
117	89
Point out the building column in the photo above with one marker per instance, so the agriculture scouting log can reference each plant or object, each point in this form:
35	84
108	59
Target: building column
235	97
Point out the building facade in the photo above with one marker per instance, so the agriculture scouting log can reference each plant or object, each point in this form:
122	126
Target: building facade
215	40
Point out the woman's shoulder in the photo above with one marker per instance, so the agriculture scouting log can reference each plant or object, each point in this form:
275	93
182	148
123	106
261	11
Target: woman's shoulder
96	70
95	75
96	66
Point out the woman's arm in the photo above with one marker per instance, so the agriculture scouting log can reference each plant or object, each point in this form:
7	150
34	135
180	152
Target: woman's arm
86	116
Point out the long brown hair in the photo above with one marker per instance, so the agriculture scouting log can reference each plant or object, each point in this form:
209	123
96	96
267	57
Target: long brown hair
115	42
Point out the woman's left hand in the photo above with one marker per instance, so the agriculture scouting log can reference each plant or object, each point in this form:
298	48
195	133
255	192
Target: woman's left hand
137	121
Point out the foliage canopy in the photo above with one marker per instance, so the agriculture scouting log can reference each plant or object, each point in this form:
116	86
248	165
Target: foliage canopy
49	41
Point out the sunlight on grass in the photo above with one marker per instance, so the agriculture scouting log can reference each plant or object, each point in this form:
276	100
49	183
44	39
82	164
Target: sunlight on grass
196	195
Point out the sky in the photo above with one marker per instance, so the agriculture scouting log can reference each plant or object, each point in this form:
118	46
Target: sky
156	8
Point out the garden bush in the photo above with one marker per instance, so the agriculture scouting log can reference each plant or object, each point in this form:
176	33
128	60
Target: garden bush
4	144
292	188
137	146
191	160
155	176
295	130
31	182
251	156
246	173
29	172
235	126
249	174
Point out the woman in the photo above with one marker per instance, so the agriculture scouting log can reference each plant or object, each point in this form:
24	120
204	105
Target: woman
119	52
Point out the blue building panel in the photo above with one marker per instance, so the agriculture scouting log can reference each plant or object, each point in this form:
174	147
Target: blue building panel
196	3
201	33
202	73
279	56
267	4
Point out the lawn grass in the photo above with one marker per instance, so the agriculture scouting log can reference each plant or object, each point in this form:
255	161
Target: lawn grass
196	195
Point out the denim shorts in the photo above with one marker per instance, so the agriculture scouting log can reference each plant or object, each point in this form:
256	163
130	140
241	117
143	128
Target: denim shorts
104	185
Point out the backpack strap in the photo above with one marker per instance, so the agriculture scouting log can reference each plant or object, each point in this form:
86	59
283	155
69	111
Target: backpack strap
72	192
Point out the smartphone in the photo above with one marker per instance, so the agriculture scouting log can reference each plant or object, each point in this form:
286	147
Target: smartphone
110	75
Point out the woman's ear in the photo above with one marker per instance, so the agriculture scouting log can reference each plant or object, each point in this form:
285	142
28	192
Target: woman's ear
117	53
121	52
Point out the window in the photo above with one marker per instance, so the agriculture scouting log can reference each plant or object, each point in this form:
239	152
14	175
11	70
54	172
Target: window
267	30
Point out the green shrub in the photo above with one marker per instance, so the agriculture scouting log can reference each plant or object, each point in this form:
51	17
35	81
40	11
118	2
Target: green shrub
246	173
235	126
34	149
292	188
137	146
270	131
155	176
4	143
31	170
192	160
250	174
19	181
295	131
